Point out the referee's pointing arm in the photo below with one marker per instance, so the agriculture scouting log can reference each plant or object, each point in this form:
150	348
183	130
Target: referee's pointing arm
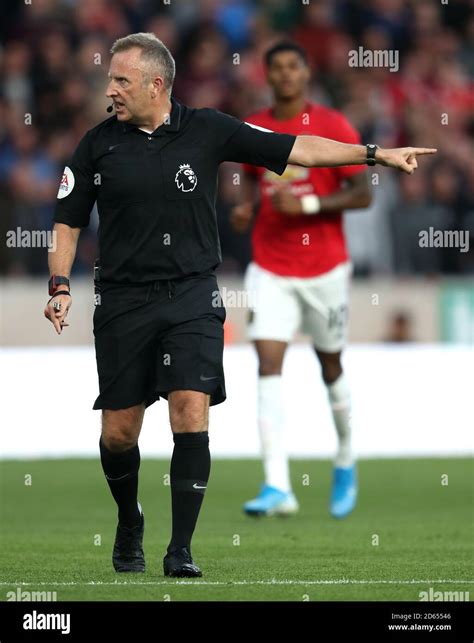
315	151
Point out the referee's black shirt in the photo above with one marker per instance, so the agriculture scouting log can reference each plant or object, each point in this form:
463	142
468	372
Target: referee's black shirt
156	193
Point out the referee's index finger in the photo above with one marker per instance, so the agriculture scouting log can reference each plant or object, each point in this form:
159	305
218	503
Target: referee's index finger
424	150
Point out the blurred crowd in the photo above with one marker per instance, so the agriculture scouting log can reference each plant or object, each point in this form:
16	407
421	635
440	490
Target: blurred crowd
53	66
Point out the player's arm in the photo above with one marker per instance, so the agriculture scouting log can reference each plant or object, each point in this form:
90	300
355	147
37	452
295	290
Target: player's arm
315	151
242	214
355	194
76	196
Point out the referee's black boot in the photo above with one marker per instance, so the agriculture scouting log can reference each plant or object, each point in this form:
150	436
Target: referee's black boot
179	563
128	548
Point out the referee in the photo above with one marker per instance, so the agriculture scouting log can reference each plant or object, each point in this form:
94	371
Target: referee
152	169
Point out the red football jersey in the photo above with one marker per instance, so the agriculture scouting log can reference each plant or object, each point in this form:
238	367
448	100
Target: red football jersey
306	245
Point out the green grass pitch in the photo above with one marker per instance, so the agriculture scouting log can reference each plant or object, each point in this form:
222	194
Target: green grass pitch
57	534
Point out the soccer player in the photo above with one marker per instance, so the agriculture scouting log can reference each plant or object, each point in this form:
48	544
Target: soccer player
158	325
300	275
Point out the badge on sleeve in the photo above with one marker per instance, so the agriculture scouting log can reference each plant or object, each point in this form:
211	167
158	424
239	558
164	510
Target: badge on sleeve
67	183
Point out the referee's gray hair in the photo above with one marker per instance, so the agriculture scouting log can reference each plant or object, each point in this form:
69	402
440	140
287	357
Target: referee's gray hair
154	52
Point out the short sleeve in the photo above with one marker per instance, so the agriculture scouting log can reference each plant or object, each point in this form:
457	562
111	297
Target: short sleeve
250	144
77	191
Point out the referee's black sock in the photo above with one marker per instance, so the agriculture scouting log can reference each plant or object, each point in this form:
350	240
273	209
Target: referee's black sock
190	467
121	471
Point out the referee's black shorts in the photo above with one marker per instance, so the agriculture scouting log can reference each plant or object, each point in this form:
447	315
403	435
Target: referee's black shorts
159	337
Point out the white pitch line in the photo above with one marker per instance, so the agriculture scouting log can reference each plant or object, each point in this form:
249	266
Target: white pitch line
341	581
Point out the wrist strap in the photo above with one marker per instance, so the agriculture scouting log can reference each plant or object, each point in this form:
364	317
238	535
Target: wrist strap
310	204
55	282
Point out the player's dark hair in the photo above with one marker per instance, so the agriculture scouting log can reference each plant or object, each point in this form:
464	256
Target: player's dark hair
285	46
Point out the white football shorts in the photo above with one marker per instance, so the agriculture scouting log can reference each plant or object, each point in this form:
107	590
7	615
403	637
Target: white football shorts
316	306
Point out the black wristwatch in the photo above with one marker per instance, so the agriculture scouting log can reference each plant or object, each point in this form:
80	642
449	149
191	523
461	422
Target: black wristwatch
55	282
371	149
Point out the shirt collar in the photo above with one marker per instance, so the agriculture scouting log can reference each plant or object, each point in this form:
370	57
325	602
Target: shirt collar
172	126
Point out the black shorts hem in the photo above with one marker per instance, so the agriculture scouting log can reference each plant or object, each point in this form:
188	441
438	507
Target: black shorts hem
117	406
218	394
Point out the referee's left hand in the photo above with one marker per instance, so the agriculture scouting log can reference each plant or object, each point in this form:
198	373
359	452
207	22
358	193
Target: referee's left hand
57	317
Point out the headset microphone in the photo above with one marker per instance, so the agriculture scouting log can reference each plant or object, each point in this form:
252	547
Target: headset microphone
110	108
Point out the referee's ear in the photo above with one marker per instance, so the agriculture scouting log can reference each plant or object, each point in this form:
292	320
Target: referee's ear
158	86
